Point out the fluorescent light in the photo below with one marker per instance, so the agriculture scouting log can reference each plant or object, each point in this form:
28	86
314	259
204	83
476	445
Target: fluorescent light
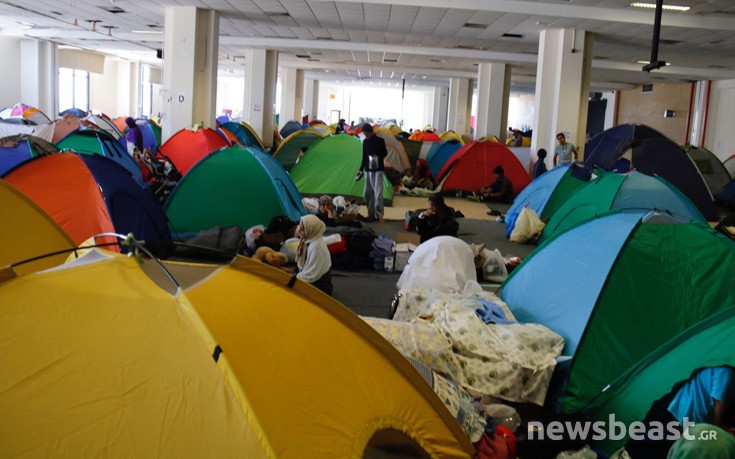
647	62
653	6
152	32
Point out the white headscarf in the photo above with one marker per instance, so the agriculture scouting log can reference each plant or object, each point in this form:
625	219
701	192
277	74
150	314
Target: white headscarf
311	228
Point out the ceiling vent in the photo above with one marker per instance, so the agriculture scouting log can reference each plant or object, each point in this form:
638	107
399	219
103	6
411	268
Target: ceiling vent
113	9
472	25
511	35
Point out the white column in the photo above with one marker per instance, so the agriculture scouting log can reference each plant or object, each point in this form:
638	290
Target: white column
460	105
39	75
441	105
311	99
698	115
493	95
191	42
562	88
259	105
292	94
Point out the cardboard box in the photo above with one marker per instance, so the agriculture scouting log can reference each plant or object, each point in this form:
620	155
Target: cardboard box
403	253
413	238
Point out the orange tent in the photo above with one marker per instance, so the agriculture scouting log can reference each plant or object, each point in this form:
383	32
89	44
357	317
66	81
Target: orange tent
187	147
64	188
227	134
119	123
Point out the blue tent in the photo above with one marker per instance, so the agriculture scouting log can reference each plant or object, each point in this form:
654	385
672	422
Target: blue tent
98	142
78	112
290	127
132	207
652	154
549	191
17	149
439	153
727	195
244	133
634	191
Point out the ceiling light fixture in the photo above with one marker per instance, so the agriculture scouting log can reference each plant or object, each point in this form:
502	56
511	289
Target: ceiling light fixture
648	62
665	7
149	32
25	25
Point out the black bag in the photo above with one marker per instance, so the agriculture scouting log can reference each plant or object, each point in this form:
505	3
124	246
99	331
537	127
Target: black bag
360	242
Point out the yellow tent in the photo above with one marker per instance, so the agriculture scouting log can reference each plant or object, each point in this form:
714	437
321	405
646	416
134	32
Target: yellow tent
322	129
100	360
28	232
452	135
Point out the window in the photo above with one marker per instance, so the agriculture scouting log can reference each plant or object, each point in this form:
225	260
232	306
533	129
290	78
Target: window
73	89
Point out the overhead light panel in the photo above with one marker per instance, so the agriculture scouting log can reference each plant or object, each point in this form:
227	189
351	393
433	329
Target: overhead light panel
652	6
647	62
150	32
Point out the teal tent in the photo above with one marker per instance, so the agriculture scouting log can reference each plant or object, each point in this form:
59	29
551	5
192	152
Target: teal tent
235	186
329	167
634	191
618	289
244	133
99	142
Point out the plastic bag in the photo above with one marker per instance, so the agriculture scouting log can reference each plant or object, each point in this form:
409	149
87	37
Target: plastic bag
584	453
311	204
252	235
527	228
505	415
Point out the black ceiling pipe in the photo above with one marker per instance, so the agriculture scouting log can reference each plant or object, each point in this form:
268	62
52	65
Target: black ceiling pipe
654	63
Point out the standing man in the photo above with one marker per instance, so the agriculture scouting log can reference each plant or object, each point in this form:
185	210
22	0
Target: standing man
565	153
373	154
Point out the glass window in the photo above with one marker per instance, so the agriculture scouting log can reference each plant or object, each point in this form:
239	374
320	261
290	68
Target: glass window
73	89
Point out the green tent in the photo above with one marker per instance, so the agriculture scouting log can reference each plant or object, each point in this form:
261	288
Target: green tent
288	150
413	150
329	167
618	289
707	343
99	142
634	191
236	186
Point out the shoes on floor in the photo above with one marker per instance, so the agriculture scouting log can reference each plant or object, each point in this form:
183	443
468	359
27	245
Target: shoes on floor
380	220
370	219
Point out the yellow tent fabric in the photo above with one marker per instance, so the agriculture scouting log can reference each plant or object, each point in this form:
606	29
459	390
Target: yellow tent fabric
28	232
331	382
452	135
322	129
99	361
489	138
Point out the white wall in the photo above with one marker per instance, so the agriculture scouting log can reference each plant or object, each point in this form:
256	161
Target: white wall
520	110
720	135
10	76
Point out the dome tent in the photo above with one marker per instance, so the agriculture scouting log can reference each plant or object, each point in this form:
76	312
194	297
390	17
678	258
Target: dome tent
212	345
640	280
288	151
341	156
99	142
19	148
236	186
651	153
471	167
188	146
244	133
633	191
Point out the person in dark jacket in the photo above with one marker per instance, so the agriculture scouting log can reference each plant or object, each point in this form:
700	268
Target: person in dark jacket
437	220
540	166
373	156
501	190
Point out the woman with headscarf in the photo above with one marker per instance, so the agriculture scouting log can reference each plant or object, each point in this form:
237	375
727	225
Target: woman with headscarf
312	256
134	136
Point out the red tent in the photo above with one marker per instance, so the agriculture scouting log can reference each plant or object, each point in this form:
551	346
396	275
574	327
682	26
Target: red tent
471	167
187	147
63	186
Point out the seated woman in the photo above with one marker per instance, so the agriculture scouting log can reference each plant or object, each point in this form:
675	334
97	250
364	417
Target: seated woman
312	256
499	191
329	216
437	220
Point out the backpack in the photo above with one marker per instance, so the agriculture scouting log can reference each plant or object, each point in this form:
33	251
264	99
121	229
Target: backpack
361	242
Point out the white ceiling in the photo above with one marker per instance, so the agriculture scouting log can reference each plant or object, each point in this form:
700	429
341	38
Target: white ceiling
423	41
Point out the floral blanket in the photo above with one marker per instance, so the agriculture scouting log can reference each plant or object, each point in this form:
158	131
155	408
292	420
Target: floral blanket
513	362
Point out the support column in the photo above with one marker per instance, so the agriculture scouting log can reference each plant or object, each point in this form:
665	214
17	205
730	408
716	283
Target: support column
292	94
493	95
259	106
460	105
562	89
39	75
191	42
441	104
311	99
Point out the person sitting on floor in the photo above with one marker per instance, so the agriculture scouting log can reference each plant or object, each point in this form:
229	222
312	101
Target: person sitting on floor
499	191
437	220
312	256
422	175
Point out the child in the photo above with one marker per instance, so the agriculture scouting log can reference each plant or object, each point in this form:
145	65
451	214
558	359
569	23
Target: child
540	167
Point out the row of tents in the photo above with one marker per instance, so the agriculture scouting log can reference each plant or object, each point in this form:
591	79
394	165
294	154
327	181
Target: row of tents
629	273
